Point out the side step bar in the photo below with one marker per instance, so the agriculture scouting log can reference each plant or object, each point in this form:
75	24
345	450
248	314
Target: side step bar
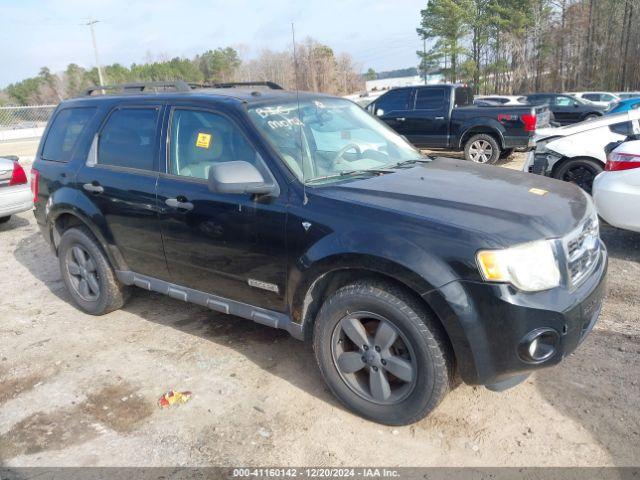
219	304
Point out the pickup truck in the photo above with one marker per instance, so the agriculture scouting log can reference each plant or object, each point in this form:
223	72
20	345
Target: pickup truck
443	116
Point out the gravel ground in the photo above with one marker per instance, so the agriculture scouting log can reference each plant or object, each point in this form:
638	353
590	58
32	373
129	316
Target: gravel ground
79	390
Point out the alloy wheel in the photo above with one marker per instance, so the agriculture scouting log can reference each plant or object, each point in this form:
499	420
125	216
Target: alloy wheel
374	358
83	274
481	151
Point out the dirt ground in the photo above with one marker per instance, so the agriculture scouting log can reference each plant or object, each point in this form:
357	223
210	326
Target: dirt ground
77	390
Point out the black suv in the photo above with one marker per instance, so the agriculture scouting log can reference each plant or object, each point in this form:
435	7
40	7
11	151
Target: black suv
305	213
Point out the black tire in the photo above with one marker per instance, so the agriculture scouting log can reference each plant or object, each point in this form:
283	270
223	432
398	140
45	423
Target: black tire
110	295
5	219
579	171
426	351
482	148
591	116
506	153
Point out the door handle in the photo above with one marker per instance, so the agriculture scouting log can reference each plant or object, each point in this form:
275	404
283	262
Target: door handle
401	119
439	118
93	187
178	203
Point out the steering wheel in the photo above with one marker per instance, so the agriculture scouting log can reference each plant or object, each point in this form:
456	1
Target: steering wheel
351	146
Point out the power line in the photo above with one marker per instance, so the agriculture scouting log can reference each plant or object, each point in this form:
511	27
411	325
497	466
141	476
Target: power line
90	24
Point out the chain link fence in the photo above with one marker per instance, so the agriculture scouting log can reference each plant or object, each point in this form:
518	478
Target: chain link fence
30	116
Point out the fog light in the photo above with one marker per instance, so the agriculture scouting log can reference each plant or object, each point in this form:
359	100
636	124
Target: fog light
538	345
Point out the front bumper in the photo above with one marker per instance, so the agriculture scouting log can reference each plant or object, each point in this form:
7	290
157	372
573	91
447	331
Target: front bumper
487	323
15	200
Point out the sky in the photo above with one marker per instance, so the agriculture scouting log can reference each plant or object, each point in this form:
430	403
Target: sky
380	34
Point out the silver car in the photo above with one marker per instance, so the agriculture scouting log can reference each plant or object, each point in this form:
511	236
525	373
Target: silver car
15	192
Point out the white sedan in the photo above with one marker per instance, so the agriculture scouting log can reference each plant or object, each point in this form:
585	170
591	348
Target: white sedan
616	191
15	193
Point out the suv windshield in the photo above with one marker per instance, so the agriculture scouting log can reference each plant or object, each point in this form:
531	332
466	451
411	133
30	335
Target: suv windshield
329	138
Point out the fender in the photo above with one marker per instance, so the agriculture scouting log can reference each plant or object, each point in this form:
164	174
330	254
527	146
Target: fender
488	125
70	201
393	256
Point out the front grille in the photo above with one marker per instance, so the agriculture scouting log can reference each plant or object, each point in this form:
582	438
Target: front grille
582	247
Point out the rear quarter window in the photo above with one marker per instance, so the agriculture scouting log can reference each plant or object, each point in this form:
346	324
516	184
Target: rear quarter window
66	129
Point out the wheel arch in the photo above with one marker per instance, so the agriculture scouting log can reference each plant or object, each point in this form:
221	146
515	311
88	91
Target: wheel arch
490	130
335	273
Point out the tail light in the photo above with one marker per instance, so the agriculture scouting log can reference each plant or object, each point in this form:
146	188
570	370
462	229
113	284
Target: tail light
529	120
622	161
35	176
18	177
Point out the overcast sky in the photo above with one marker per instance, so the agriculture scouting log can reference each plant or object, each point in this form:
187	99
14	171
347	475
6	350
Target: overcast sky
34	33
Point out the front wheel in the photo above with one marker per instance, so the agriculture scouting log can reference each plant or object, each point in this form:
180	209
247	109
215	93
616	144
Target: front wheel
482	148
580	171
381	353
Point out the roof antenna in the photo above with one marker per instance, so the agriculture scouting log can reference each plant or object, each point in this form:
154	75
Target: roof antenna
305	199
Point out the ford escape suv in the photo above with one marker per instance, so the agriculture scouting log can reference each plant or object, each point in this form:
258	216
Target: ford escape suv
305	213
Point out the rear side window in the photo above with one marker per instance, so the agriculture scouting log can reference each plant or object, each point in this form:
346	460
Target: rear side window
538	99
394	100
64	133
594	97
622	128
463	96
429	98
128	139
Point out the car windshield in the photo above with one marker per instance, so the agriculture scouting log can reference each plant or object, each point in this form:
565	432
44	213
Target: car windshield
328	139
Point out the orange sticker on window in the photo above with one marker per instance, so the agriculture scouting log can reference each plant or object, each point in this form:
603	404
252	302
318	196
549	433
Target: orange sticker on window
203	140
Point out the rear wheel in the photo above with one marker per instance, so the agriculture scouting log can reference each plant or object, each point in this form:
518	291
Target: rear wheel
87	273
381	354
482	148
5	219
591	116
580	171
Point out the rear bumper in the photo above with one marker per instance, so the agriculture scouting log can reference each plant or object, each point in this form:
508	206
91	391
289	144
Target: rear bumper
489	323
15	200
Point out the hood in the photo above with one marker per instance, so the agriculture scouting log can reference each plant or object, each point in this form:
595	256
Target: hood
493	202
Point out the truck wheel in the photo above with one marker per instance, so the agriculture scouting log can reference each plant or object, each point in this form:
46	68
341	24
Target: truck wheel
380	353
87	273
580	171
506	153
482	148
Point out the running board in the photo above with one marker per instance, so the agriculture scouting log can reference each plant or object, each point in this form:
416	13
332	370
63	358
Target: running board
219	304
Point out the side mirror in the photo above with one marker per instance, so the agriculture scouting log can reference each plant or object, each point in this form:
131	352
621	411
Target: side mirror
237	177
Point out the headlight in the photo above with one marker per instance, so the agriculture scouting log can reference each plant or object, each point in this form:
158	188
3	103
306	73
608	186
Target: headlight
531	267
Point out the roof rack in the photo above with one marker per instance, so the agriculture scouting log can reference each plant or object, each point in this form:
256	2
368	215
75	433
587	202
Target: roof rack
270	85
174	85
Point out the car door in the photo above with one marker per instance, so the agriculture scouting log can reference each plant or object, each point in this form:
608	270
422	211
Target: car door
566	109
428	123
229	245
119	179
393	108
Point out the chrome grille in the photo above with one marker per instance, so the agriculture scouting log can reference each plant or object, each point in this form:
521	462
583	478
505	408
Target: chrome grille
582	247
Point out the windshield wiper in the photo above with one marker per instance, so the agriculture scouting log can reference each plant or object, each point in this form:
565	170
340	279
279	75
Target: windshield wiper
428	159
347	173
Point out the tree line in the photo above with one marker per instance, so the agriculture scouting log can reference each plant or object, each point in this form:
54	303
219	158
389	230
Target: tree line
521	46
316	67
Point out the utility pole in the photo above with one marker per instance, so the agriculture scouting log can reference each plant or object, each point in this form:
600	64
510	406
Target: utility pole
90	24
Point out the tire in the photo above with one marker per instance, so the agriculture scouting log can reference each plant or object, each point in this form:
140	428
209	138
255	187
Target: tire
80	252
482	148
591	116
5	219
418	344
506	153
579	171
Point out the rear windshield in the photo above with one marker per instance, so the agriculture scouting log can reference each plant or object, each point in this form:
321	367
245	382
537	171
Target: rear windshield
65	131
